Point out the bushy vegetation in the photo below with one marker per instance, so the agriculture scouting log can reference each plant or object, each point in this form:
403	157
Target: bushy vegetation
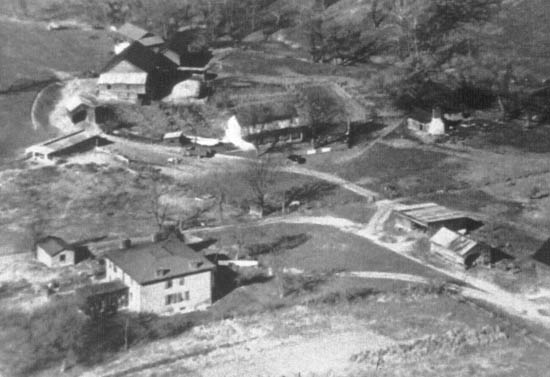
60	332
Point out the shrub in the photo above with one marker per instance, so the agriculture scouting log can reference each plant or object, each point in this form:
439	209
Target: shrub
345	295
298	284
46	336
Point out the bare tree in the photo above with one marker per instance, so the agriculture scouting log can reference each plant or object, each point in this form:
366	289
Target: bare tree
260	177
36	228
157	209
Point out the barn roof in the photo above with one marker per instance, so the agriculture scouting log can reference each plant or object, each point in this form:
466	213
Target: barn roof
172	56
152	41
141	57
428	213
133	32
452	241
53	245
159	261
251	115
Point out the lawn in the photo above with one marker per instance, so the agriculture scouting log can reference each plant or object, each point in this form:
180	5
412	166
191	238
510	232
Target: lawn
325	249
403	171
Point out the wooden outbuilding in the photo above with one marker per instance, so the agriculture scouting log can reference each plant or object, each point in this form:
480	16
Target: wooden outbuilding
54	252
457	248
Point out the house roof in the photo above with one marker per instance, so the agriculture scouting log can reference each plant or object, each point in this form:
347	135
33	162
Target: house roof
452	241
159	261
133	32
141	57
251	115
427	213
53	245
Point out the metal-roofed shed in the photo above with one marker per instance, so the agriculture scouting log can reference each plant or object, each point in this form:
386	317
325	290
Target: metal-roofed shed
431	217
65	144
456	247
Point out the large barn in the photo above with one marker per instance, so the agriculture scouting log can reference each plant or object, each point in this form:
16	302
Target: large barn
137	75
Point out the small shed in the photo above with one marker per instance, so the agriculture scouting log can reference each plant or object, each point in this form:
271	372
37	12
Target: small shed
74	142
430	217
456	247
54	252
80	108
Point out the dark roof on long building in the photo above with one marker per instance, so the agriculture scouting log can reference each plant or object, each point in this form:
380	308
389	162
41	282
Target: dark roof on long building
265	113
159	261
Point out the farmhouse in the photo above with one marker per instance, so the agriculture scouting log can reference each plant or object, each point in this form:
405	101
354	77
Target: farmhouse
430	217
162	277
269	123
456	247
74	142
136	75
54	252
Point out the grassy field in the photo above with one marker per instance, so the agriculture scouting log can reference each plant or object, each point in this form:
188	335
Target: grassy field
408	332
325	250
29	54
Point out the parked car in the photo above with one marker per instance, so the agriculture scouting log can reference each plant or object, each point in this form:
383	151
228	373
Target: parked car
296	158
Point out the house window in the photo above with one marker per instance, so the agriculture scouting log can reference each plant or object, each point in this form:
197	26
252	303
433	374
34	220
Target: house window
114	268
109	86
173	299
182	281
168	284
187	295
62	258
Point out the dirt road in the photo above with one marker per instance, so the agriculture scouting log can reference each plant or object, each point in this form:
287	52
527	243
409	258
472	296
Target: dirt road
361	191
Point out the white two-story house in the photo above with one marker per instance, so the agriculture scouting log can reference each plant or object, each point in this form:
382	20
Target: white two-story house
164	277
